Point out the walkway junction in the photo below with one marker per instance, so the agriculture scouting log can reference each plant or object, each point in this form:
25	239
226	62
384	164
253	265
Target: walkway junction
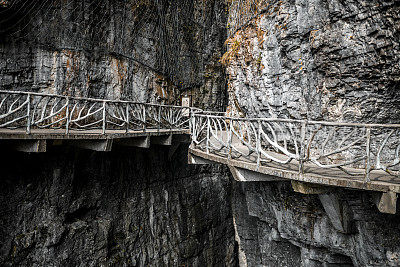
315	156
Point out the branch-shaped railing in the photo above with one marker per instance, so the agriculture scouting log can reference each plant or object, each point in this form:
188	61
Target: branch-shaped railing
304	146
27	110
353	149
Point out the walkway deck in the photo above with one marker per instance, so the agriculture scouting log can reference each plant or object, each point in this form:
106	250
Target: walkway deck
60	134
380	181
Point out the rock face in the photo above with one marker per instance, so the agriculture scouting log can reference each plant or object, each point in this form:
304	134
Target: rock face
278	227
138	50
126	208
319	60
330	60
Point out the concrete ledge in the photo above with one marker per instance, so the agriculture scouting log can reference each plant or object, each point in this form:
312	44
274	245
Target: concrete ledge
95	145
142	142
349	182
194	160
163	140
336	211
308	188
30	146
54	134
243	175
181	138
387	202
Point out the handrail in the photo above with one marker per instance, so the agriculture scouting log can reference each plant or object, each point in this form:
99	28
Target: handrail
90	99
327	123
352	148
356	149
32	110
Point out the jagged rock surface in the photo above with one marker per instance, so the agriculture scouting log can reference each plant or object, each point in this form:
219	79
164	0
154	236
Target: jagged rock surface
125	208
139	50
278	227
331	60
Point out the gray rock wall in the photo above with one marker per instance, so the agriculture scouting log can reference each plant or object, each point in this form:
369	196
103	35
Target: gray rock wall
139	50
130	207
330	60
276	226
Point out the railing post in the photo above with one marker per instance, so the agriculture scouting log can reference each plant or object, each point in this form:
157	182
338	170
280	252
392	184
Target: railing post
104	117
190	121
258	145
368	159
192	126
67	117
28	115
127	117
230	140
144	117
171	117
302	146
159	118
208	135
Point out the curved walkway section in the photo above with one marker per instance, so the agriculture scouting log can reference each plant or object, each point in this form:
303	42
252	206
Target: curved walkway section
353	155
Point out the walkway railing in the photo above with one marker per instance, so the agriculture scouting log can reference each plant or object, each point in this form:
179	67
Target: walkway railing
353	149
302	146
26	110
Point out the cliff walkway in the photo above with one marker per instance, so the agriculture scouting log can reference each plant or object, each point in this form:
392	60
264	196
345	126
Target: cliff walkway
31	122
311	154
314	155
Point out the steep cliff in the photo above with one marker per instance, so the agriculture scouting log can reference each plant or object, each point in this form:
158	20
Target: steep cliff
320	60
330	60
130	207
278	227
139	50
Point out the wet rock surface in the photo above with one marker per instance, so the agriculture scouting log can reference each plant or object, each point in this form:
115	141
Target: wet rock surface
124	208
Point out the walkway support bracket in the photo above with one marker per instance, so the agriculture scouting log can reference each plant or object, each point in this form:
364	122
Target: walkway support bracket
163	140
387	202
30	146
141	142
243	175
95	145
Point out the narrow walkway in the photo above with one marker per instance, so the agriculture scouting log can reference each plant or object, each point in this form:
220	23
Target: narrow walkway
30	122
359	156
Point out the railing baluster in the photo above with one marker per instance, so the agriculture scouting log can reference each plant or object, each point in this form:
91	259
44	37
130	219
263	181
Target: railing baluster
104	117
28	116
230	140
258	145
127	118
67	117
208	135
144	118
159	119
192	125
302	147
368	156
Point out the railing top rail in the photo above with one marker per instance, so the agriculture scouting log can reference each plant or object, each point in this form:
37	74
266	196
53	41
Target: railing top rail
324	123
92	99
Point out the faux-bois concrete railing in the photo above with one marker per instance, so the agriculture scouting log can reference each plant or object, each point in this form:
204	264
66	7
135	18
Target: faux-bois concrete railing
361	152
353	155
26	110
